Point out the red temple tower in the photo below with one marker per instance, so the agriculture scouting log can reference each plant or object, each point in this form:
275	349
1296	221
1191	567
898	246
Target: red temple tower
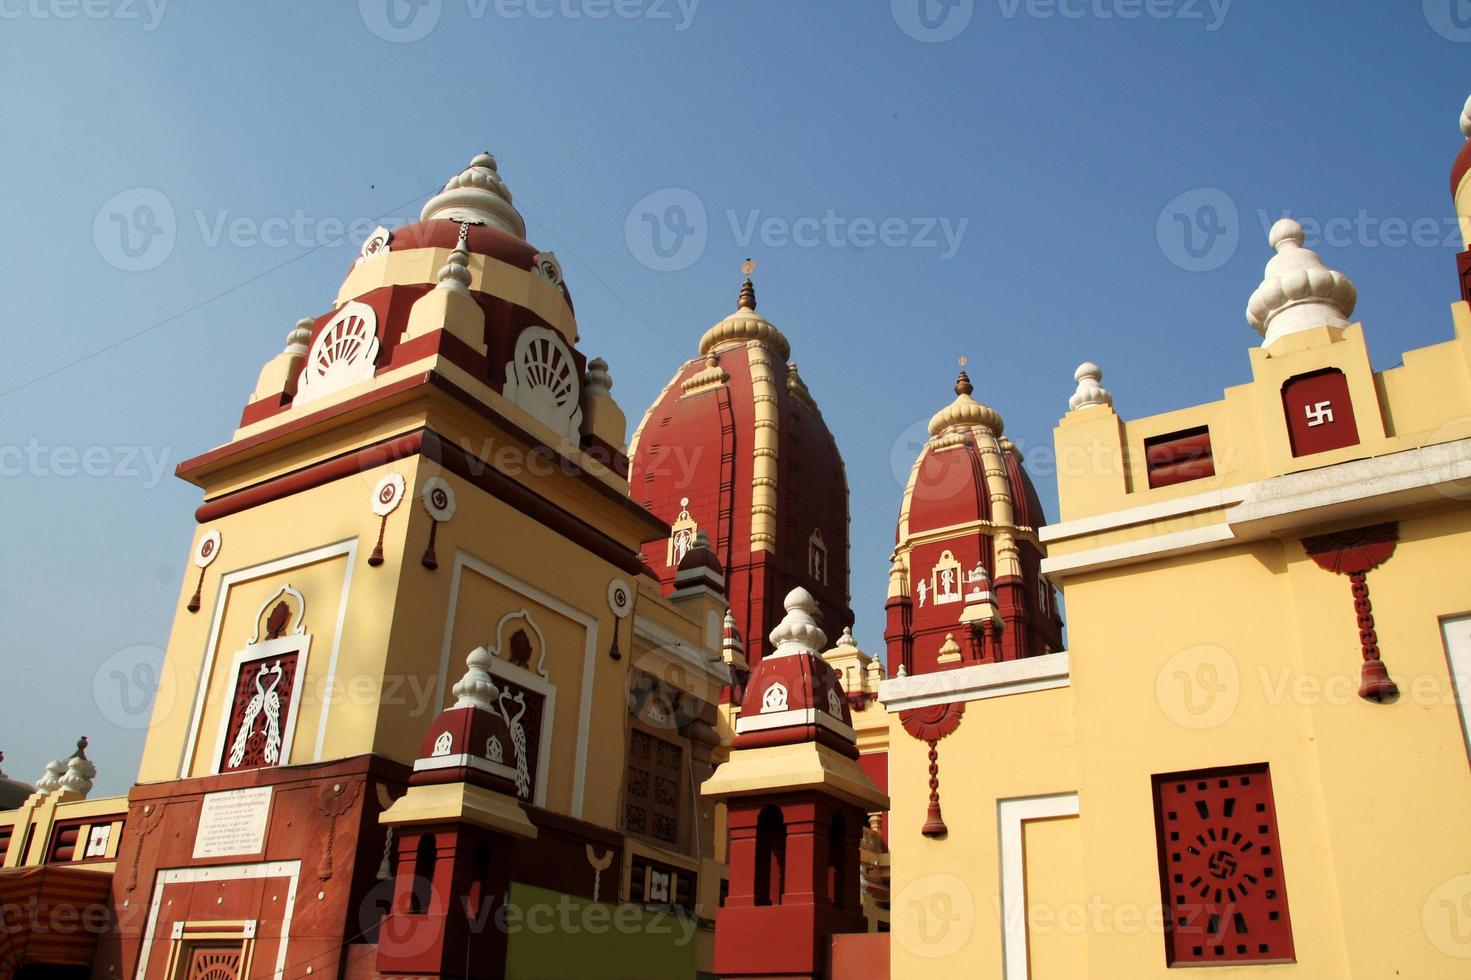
965	585
735	446
797	803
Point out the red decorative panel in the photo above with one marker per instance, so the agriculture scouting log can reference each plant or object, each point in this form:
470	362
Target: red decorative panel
265	696
1179	457
1221	867
1463	266
1320	413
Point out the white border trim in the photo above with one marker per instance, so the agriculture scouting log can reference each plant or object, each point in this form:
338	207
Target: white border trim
796	716
1158	511
301	646
1278	505
227	872
589	623
1458	662
470	762
977	682
229	580
1010	816
683	651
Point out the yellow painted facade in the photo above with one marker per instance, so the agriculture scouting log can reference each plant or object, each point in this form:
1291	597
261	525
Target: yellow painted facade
1203	635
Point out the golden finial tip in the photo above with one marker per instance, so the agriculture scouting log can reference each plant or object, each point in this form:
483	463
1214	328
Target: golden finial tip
962	360
748	267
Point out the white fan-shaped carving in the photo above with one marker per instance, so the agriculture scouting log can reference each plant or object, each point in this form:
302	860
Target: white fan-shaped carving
543	379
344	353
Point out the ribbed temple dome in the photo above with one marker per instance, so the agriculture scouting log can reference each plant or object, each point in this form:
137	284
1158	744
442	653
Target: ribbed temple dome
1298	292
965	412
746	324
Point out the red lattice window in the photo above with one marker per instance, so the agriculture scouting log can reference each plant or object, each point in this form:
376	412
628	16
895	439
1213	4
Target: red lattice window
1221	868
1179	457
651	804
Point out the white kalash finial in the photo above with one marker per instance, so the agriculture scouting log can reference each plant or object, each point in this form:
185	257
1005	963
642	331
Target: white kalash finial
300	338
1466	118
477	689
597	381
79	771
1298	291
1090	392
846	640
455	273
798	632
478	195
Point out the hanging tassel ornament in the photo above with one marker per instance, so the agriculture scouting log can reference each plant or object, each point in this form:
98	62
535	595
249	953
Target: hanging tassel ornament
386	497
929	725
205	553
438	498
1355	553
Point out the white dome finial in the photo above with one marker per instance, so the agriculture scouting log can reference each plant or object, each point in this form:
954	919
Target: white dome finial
477	688
1090	392
478	195
1298	292
798	631
1466	118
299	340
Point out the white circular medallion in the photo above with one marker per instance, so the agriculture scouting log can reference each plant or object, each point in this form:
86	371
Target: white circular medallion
387	494
620	598
439	498
207	550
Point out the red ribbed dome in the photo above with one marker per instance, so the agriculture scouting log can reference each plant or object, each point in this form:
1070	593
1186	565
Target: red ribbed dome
967	559
735	447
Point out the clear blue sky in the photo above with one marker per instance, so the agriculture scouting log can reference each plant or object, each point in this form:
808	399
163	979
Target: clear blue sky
1050	138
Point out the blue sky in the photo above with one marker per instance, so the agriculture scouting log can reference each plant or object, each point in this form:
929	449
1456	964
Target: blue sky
994	178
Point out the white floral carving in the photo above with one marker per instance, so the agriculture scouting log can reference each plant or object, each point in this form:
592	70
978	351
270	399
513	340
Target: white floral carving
834	702
542	378
775	698
345	353
494	751
443	744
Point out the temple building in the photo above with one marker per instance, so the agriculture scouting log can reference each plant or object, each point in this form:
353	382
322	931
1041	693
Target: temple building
1253	753
463	682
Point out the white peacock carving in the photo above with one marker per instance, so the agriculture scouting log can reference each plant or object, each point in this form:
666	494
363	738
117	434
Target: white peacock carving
267	702
345	353
518	740
543	379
